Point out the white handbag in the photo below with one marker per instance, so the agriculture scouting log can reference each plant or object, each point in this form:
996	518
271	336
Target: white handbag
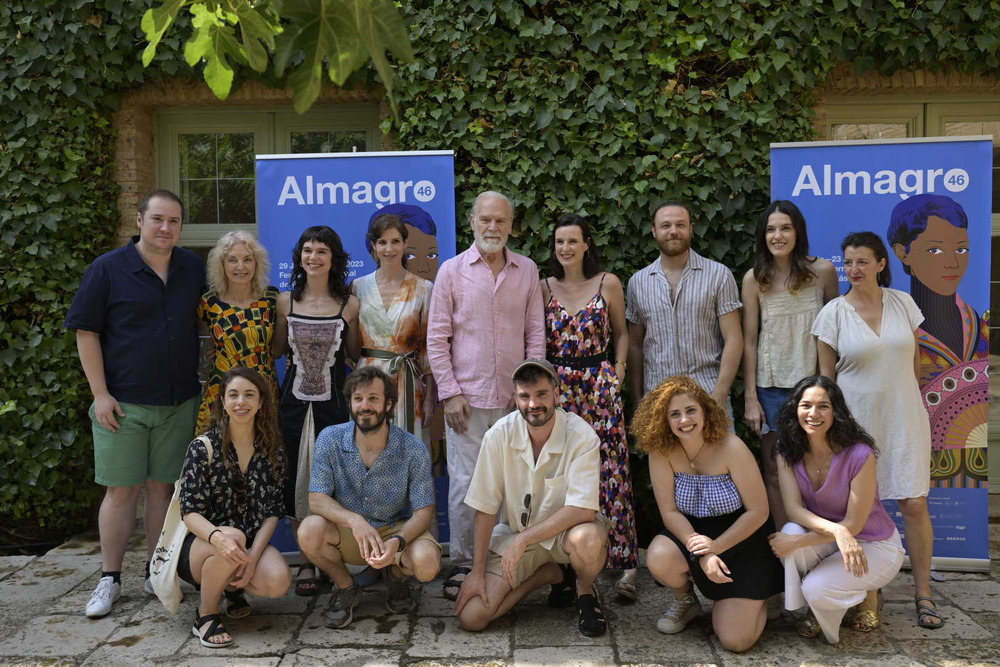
163	567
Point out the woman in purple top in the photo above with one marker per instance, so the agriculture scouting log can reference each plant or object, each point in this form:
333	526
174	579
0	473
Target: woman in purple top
840	546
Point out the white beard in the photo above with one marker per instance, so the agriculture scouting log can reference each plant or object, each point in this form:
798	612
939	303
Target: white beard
490	246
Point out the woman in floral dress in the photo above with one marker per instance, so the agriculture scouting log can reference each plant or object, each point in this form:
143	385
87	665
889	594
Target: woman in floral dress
393	323
239	312
587	342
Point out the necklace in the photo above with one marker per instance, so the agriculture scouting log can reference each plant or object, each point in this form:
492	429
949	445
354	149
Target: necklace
692	460
819	467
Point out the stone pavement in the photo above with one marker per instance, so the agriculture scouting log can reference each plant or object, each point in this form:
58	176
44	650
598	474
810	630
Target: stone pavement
42	623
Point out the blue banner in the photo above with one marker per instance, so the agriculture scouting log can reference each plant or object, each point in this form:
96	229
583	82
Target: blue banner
930	201
344	190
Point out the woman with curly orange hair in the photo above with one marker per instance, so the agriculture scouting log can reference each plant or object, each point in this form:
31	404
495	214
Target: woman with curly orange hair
714	508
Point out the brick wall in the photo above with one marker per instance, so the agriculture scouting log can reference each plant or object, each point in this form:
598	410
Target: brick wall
874	87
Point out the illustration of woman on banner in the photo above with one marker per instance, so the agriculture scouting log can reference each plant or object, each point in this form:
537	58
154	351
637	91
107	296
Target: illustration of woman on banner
421	241
929	235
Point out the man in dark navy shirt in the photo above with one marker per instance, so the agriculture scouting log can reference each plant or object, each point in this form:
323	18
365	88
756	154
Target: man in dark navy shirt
135	317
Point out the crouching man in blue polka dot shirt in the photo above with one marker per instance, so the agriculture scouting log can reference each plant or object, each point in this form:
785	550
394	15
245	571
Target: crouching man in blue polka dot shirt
372	500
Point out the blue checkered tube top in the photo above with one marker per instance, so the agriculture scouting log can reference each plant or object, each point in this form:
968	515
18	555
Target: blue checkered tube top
706	495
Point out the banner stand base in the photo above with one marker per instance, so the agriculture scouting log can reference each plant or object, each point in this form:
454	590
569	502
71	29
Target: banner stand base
940	564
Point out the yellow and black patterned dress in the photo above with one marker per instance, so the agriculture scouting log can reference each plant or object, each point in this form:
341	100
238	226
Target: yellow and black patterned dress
240	336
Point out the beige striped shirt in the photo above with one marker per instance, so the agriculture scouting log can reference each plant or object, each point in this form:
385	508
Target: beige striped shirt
683	336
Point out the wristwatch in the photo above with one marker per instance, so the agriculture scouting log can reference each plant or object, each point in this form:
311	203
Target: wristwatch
402	542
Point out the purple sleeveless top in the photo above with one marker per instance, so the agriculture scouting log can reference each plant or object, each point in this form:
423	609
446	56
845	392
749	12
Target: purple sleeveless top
830	501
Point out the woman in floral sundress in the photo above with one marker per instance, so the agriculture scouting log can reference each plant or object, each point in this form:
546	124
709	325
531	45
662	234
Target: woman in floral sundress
587	342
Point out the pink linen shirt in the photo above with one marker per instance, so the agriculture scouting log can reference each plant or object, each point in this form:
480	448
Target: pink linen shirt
479	329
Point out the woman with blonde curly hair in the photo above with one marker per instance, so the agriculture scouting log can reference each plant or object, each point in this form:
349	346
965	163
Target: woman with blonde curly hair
239	311
714	508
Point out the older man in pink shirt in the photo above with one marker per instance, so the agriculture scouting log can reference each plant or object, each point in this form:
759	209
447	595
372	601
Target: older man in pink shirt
485	318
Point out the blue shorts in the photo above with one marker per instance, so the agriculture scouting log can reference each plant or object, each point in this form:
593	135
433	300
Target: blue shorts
771	399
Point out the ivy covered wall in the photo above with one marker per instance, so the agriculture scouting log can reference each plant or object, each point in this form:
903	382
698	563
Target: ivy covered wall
590	107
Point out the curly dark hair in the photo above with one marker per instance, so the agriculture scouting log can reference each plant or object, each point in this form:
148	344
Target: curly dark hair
763	263
339	289
651	423
265	425
591	258
793	443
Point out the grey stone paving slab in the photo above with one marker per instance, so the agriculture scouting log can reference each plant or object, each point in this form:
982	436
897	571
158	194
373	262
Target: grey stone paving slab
87	544
253	635
215	661
443	638
50	636
988	620
37	662
779	645
495	662
538	625
633	629
112	656
639	641
952	653
901	588
46	578
372	626
342	657
151	633
567	656
901	621
435	605
11	564
289	603
847	660
973	595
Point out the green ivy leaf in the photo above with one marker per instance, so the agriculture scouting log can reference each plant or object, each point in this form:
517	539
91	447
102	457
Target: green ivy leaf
155	23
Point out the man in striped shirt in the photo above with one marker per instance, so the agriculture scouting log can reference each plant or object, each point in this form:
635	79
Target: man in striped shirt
683	313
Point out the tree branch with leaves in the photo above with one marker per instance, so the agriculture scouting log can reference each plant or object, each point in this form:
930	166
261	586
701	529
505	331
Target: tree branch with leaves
305	38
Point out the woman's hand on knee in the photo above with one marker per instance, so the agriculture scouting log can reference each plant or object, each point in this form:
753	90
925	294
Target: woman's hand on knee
782	544
715	569
855	560
231	545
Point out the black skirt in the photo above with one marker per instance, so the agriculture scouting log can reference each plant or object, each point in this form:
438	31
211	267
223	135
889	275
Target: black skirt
756	572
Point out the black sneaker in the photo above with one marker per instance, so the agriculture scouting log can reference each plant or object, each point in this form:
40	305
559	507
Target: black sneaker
399	595
592	621
563	594
340	612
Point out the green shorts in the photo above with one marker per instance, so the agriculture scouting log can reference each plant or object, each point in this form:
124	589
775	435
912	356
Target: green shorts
150	443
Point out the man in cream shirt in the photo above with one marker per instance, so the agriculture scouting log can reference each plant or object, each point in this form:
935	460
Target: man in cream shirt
542	466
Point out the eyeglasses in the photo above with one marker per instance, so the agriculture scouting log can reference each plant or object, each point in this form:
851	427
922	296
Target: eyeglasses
526	514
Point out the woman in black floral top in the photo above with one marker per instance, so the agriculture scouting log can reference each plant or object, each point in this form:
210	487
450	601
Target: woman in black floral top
231	503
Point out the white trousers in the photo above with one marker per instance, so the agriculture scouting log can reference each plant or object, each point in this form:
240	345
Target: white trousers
816	576
463	451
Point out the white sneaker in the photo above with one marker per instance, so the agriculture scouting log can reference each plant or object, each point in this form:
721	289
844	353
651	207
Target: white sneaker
148	586
103	597
680	612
